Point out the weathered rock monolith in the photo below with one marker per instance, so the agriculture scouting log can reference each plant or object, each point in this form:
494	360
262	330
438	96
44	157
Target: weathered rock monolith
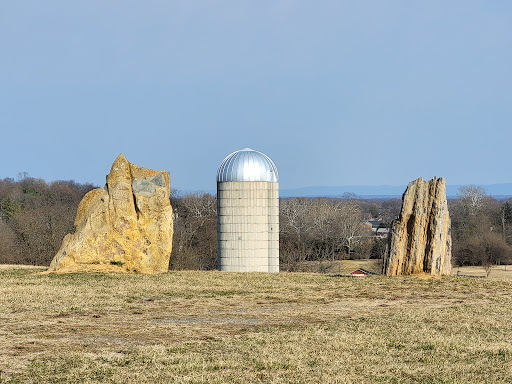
420	239
125	226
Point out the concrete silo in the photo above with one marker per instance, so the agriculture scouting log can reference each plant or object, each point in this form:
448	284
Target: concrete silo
248	213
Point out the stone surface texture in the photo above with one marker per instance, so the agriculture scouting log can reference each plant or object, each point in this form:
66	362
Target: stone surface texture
126	226
420	239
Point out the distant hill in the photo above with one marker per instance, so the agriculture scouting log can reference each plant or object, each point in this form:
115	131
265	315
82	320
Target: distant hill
498	191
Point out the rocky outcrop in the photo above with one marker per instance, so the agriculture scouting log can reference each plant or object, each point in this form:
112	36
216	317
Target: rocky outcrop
420	239
125	226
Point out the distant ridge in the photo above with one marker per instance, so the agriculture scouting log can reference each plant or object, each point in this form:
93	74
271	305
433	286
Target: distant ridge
498	191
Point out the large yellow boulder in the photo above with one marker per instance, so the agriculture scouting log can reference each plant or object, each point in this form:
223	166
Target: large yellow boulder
125	226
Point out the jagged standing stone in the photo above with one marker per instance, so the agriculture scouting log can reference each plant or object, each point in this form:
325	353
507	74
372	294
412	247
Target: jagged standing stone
126	226
420	240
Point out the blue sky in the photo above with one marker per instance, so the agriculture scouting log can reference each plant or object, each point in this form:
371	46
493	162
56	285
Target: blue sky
335	92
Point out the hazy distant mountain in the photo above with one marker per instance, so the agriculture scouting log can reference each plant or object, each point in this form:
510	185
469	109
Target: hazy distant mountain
498	191
385	191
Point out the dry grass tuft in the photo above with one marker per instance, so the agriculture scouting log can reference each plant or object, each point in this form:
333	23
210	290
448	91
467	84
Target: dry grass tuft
193	327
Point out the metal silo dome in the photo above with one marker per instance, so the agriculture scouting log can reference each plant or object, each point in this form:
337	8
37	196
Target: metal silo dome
247	165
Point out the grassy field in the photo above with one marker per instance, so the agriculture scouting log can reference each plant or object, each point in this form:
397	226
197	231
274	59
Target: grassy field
502	272
340	266
195	327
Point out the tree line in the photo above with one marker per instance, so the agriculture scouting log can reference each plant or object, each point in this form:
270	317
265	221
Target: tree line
481	228
36	215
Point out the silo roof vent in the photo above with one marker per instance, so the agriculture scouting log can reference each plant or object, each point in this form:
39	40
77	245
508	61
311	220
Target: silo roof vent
247	165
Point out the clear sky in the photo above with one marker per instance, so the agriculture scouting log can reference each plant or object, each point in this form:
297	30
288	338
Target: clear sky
335	92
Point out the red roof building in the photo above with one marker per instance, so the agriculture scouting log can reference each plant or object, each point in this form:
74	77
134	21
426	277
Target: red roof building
361	272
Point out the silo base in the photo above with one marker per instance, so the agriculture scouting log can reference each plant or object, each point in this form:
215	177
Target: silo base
248	226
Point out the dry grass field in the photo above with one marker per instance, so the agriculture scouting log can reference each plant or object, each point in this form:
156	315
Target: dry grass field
500	272
341	267
195	327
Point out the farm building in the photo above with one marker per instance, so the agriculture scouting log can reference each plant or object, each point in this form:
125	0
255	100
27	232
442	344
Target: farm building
248	213
361	272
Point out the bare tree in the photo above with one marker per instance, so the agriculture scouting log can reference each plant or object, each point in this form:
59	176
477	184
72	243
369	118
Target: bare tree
505	217
349	223
195	232
318	229
8	249
294	231
487	266
472	198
